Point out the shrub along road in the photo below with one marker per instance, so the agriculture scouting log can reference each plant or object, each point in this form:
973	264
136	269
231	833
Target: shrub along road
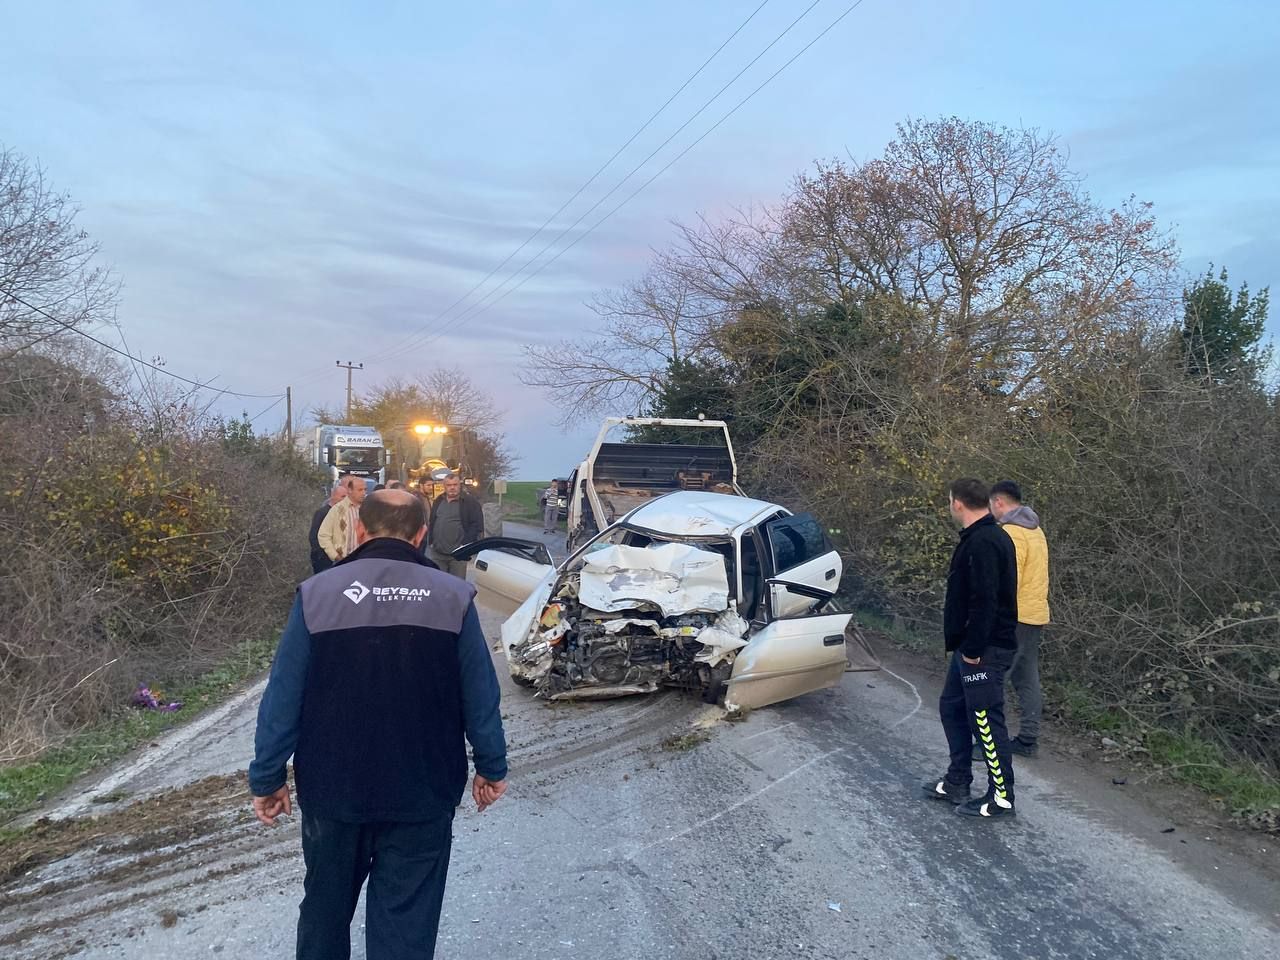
650	827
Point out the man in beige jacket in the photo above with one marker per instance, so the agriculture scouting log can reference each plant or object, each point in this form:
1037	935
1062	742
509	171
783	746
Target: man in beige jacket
337	536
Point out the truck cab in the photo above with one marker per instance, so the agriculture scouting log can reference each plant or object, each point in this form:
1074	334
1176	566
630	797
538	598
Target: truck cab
348	449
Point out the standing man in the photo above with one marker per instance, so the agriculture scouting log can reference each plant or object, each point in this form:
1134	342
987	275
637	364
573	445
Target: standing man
1022	525
456	518
319	559
337	535
979	620
381	670
550	508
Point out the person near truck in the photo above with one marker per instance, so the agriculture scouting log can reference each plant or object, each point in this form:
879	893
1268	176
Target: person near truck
337	535
381	674
456	518
1022	525
319	559
550	508
979	621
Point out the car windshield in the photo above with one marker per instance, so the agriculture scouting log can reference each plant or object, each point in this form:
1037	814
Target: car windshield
359	458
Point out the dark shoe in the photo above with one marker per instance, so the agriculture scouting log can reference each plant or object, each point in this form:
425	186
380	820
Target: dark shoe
986	808
945	790
1023	748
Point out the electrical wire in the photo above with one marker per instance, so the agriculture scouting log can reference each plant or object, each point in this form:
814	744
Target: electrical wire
392	351
479	308
277	403
137	360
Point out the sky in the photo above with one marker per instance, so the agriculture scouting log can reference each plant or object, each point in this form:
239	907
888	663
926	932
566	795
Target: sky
281	186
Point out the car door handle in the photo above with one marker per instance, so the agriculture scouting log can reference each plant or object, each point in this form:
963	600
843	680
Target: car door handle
833	641
831	574
482	565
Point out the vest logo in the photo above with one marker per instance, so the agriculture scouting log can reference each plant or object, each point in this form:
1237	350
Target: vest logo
356	592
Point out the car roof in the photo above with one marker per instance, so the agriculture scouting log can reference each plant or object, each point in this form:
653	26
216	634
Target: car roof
693	513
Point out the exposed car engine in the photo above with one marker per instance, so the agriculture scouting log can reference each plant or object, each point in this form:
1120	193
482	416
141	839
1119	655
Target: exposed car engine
648	637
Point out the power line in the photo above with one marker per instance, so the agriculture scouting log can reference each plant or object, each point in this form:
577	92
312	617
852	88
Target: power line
634	170
592	179
478	308
267	410
125	353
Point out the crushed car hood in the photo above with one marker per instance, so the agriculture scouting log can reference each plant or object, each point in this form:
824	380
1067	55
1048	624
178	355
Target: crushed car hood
677	578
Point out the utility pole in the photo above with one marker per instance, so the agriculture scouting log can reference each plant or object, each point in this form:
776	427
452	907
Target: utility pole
349	366
288	416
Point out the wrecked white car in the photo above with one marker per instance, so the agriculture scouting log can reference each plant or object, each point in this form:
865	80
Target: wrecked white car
709	592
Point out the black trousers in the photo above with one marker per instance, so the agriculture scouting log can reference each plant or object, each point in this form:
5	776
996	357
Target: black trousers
972	708
406	865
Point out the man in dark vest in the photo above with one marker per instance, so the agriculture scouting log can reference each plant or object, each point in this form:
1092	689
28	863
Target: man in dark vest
381	671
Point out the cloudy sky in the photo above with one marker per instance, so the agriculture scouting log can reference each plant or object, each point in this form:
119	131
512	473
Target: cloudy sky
279	186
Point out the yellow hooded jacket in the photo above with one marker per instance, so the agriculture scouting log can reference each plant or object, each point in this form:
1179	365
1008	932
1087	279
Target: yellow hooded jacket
1032	549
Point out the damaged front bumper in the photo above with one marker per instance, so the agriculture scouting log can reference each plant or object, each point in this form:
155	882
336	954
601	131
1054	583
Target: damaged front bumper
631	620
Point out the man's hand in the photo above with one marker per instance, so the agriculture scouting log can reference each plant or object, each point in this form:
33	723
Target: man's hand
972	662
273	805
486	792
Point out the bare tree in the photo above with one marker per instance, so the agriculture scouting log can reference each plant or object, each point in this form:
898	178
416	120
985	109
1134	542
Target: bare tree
46	261
647	327
1005	260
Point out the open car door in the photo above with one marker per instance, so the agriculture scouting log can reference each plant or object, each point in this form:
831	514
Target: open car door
799	552
505	571
797	652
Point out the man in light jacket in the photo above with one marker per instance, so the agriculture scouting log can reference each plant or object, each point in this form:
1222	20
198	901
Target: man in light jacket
1023	527
337	536
319	559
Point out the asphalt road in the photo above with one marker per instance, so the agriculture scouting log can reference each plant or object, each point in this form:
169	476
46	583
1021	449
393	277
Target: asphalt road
796	833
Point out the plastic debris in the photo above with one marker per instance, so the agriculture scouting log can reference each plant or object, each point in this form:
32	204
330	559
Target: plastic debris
834	907
144	698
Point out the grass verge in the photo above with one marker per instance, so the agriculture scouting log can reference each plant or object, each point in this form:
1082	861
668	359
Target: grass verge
1248	792
520	502
24	786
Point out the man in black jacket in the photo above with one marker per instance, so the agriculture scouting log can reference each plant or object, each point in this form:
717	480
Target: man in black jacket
319	559
456	518
979	621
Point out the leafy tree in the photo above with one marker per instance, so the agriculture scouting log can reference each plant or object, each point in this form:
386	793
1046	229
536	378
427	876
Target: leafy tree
1221	336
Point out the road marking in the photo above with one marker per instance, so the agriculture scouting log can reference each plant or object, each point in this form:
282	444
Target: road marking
169	745
734	806
781	726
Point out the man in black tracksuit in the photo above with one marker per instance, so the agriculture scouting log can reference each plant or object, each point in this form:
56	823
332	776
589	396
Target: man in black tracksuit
980	619
381	670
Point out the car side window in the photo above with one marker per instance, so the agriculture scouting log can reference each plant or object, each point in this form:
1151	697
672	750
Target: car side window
794	540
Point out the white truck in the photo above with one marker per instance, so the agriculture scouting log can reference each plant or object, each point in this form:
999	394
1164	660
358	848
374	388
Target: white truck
621	474
347	449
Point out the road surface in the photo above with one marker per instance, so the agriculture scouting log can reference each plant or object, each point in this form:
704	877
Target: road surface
626	834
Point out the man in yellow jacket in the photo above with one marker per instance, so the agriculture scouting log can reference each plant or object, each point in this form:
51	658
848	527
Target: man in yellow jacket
1023	527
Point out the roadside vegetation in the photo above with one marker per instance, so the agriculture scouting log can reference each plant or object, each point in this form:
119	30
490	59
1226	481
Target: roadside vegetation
962	306
147	542
520	502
